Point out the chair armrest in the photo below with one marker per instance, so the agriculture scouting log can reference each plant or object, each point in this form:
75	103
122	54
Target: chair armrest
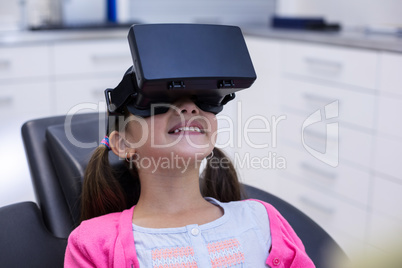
24	239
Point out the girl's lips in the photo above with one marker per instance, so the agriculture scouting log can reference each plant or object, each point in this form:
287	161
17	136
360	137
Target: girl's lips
193	127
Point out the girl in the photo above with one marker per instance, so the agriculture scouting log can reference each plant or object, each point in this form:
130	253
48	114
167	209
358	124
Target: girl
170	217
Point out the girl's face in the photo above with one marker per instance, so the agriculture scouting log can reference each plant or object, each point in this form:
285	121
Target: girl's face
183	132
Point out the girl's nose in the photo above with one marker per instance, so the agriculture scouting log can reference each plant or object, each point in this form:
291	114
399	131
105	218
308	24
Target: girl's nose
187	106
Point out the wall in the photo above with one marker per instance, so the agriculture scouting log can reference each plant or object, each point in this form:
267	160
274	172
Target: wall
9	15
349	13
237	12
18	14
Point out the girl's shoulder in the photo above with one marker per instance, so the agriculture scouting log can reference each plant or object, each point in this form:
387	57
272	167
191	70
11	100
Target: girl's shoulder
248	206
94	240
103	221
102	227
246	211
262	212
250	216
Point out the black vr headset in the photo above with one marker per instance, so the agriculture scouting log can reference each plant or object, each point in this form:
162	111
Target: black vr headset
206	63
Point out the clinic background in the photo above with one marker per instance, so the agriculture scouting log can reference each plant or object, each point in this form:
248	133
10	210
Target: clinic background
357	201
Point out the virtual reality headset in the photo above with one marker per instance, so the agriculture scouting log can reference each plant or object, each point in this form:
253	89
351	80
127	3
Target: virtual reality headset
207	63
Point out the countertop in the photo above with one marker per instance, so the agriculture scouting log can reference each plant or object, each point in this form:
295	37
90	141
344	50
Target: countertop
348	38
20	38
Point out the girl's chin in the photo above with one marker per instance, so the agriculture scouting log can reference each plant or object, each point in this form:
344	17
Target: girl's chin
189	153
170	160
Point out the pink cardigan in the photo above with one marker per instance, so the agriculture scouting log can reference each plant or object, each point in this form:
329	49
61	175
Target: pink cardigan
108	241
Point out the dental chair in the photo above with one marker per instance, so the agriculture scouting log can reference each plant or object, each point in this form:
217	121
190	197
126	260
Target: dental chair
58	150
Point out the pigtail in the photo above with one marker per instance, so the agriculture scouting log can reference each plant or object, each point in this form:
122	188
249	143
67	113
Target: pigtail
101	191
219	179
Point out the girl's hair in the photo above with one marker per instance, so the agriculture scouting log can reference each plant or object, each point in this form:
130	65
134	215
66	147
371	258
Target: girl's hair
106	189
219	179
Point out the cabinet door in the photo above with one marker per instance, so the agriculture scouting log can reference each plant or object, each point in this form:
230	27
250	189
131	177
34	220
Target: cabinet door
15	182
390	97
18	104
333	214
389	116
389	130
354	108
354	147
83	58
252	113
24	62
345	182
82	95
388	153
24	100
260	97
386	218
390	74
355	67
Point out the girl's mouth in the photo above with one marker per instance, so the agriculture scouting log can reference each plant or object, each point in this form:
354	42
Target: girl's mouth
187	129
191	128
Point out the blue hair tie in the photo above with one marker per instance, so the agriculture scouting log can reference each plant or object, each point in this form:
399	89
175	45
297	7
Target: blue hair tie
105	142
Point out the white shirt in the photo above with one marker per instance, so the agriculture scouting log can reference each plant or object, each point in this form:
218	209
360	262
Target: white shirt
240	238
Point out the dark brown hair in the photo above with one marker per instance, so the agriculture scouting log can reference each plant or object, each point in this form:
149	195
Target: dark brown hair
219	178
106	189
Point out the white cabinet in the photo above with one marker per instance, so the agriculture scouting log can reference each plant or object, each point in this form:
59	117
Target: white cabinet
332	213
355	108
82	95
389	113
387	198
24	82
388	153
315	137
359	197
23	101
51	78
83	58
255	111
386	218
332	165
24	62
24	95
54	77
388	141
340	65
390	101
84	69
390	74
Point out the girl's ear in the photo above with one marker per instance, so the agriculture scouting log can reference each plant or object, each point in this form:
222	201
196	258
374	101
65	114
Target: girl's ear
118	144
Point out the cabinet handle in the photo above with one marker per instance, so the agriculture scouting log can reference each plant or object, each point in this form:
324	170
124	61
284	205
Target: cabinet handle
5	64
318	171
317	98
319	206
328	66
6	101
108	58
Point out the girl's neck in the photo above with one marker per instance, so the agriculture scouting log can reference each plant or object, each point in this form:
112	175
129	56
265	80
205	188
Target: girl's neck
172	200
169	191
